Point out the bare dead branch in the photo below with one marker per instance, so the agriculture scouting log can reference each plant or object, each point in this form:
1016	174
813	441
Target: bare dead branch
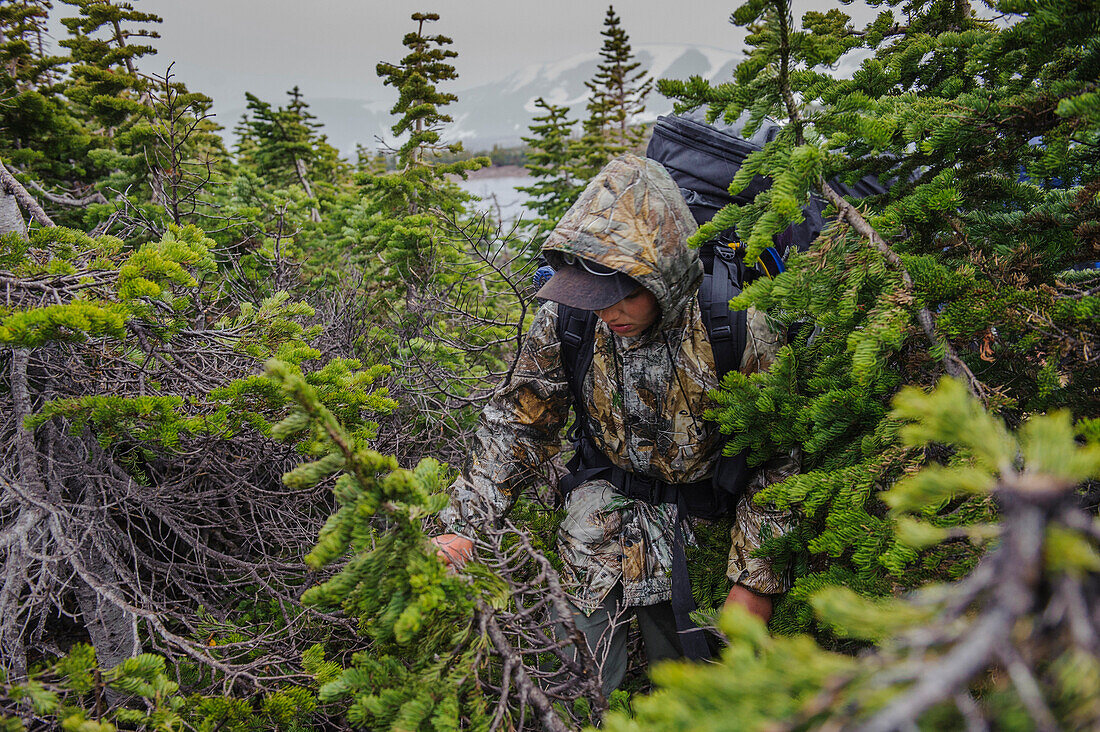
65	200
26	200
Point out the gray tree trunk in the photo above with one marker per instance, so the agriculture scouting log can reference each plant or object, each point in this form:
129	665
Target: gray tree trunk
13	655
11	218
303	178
113	631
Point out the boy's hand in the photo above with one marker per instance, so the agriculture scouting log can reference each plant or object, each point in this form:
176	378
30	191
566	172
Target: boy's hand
757	604
454	550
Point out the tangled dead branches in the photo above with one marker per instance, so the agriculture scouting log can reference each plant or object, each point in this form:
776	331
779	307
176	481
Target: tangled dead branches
547	664
137	506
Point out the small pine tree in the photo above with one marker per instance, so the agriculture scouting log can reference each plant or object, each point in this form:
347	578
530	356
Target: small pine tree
435	637
550	160
107	89
285	147
105	78
420	101
419	107
420	669
45	143
617	94
404	234
23	30
439	305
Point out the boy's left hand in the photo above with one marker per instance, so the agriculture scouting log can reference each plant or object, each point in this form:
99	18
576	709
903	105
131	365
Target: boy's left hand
757	604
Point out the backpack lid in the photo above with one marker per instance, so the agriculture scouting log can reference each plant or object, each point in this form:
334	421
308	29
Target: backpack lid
703	158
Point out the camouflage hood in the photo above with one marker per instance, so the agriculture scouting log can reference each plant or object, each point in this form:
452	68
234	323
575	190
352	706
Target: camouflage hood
632	218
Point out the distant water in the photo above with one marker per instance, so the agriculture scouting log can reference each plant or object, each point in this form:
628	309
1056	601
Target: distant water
499	196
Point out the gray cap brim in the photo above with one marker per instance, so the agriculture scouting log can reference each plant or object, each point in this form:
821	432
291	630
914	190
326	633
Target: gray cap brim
579	288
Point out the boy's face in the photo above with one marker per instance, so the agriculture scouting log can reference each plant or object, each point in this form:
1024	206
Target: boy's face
632	315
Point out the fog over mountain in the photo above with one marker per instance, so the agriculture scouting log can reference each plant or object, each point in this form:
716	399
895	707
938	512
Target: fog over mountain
501	111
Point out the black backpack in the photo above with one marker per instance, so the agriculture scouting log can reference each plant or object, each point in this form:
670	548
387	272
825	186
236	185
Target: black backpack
702	158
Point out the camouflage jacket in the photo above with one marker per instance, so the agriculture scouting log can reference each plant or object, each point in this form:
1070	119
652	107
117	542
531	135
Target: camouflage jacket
645	398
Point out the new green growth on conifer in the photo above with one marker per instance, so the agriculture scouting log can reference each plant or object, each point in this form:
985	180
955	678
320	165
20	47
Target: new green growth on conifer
942	652
970	263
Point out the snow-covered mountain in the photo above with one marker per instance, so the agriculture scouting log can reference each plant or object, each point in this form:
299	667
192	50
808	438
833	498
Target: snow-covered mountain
501	111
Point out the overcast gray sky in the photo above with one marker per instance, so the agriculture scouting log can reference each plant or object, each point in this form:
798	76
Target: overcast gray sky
330	47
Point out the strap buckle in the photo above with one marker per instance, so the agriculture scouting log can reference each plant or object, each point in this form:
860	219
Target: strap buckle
727	252
574	330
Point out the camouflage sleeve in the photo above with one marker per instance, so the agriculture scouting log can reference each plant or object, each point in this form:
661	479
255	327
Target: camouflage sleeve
754	524
518	431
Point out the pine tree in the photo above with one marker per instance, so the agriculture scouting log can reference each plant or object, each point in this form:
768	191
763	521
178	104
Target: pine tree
405	204
435	638
113	99
420	183
439	302
108	90
618	92
550	160
106	80
285	147
44	144
23	32
419	102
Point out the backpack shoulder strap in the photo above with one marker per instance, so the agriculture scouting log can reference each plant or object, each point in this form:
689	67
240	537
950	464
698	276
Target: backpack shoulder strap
723	277
577	341
576	336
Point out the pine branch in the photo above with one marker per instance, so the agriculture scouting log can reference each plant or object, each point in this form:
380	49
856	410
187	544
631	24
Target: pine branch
847	212
952	363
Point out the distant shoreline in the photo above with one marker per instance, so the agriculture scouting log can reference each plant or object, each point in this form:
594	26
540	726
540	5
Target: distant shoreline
499	171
